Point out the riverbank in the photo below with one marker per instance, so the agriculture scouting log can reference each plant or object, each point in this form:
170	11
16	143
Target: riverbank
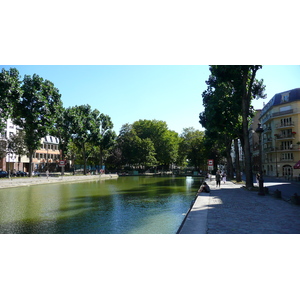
27	181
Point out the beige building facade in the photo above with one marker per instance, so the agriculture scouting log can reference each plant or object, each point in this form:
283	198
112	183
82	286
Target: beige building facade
280	119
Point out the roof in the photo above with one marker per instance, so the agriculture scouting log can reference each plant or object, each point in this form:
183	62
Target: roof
294	95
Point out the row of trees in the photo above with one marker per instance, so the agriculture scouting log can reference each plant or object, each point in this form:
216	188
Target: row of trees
150	144
86	135
228	110
35	105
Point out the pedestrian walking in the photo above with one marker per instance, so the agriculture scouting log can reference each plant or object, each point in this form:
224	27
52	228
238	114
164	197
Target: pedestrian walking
47	174
224	177
218	179
257	178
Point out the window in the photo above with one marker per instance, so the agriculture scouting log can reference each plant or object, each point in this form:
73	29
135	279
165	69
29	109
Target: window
285	97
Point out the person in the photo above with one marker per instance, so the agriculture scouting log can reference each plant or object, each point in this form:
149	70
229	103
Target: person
47	174
257	178
204	188
224	177
218	179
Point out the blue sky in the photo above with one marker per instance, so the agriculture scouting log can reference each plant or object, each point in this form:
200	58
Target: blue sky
128	93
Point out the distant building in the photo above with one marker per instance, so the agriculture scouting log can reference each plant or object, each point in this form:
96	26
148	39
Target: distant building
47	156
280	119
8	161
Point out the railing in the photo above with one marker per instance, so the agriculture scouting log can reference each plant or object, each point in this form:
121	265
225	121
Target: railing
286	125
281	113
288	136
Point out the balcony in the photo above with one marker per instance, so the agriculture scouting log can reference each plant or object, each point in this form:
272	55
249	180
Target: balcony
286	125
284	137
282	113
282	149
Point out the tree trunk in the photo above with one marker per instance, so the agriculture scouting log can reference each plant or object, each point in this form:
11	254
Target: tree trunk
229	161
237	161
84	160
30	163
245	113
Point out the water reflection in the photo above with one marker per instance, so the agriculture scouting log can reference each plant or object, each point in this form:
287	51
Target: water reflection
125	205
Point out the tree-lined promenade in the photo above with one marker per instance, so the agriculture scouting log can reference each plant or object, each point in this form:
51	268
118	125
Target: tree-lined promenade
86	135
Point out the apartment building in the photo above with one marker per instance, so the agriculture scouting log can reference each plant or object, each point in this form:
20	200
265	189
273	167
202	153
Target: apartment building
10	159
47	156
280	119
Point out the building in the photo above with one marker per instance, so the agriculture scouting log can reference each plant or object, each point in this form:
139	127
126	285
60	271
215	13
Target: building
10	159
47	156
280	119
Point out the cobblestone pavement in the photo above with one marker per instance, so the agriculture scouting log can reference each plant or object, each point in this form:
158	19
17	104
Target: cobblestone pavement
233	209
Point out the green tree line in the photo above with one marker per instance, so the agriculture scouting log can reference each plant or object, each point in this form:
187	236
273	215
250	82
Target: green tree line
86	135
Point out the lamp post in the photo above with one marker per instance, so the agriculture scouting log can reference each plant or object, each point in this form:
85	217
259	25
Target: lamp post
275	148
259	130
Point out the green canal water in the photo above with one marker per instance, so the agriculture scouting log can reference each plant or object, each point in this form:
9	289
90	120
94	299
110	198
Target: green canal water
123	205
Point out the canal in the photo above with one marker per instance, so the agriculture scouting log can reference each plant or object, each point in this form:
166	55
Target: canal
125	205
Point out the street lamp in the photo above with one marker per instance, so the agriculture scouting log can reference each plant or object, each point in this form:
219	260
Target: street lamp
259	130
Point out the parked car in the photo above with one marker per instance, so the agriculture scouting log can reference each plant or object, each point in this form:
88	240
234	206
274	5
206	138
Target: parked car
21	174
3	174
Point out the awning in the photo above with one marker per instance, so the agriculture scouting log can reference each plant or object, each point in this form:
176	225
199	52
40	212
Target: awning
297	165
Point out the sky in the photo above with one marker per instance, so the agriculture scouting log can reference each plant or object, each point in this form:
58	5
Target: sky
128	93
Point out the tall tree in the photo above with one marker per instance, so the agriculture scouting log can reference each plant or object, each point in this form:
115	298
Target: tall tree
35	111
242	87
10	92
106	137
166	142
85	130
193	147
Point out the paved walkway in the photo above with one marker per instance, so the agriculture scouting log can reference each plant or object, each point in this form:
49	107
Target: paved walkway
25	181
233	209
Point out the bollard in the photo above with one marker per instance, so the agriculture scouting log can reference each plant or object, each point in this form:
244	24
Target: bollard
277	194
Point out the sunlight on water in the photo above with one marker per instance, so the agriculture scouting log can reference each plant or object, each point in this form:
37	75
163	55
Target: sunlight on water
123	205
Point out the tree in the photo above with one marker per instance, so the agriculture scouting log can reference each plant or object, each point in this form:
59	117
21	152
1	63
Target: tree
61	129
236	86
35	111
106	138
246	87
128	143
221	118
166	142
85	130
17	145
193	147
146	153
10	92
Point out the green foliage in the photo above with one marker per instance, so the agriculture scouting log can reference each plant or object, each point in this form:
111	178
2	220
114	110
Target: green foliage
35	111
10	92
165	141
17	143
228	108
84	128
192	147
